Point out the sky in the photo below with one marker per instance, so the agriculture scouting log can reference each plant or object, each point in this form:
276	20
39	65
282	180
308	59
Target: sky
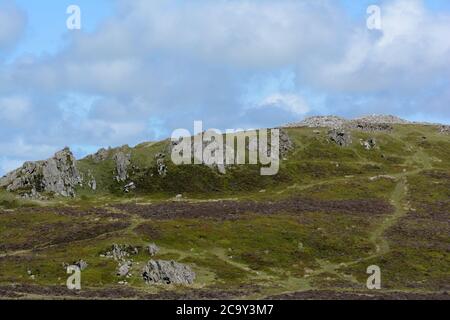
137	70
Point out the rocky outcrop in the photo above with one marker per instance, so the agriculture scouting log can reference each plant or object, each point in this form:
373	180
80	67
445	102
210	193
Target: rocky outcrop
124	268
444	129
320	122
386	119
286	144
369	144
340	137
120	252
167	272
160	165
369	127
100	156
123	161
369	123
58	175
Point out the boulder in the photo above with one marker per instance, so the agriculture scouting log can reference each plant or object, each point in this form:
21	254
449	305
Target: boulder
124	268
369	144
167	272
340	137
58	175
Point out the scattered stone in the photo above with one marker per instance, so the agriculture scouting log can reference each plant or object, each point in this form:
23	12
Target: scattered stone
58	175
121	252
340	137
122	163
167	272
153	249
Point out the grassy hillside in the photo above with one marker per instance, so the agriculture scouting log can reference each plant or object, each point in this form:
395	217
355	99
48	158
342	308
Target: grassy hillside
312	229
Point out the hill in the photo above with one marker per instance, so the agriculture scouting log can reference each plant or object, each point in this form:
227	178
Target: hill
349	194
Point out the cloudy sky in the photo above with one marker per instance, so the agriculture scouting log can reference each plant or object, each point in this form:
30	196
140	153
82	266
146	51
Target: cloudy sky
139	69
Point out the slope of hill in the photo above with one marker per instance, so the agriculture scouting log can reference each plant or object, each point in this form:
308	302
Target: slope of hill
381	197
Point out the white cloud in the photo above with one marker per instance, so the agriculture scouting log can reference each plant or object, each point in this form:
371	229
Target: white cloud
14	108
289	102
12	24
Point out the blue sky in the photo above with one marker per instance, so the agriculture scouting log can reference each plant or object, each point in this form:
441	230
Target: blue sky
139	69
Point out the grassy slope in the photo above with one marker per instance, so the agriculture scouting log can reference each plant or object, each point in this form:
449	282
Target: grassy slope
278	253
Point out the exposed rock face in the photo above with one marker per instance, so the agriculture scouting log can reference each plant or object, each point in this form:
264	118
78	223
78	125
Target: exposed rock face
123	161
286	144
58	175
167	272
444	130
162	168
340	137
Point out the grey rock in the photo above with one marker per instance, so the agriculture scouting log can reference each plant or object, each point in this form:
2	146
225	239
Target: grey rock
340	137
167	272
121	252
286	144
58	175
444	129
81	264
153	249
369	144
367	123
123	161
101	155
129	187
160	164
369	127
92	183
320	122
124	268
